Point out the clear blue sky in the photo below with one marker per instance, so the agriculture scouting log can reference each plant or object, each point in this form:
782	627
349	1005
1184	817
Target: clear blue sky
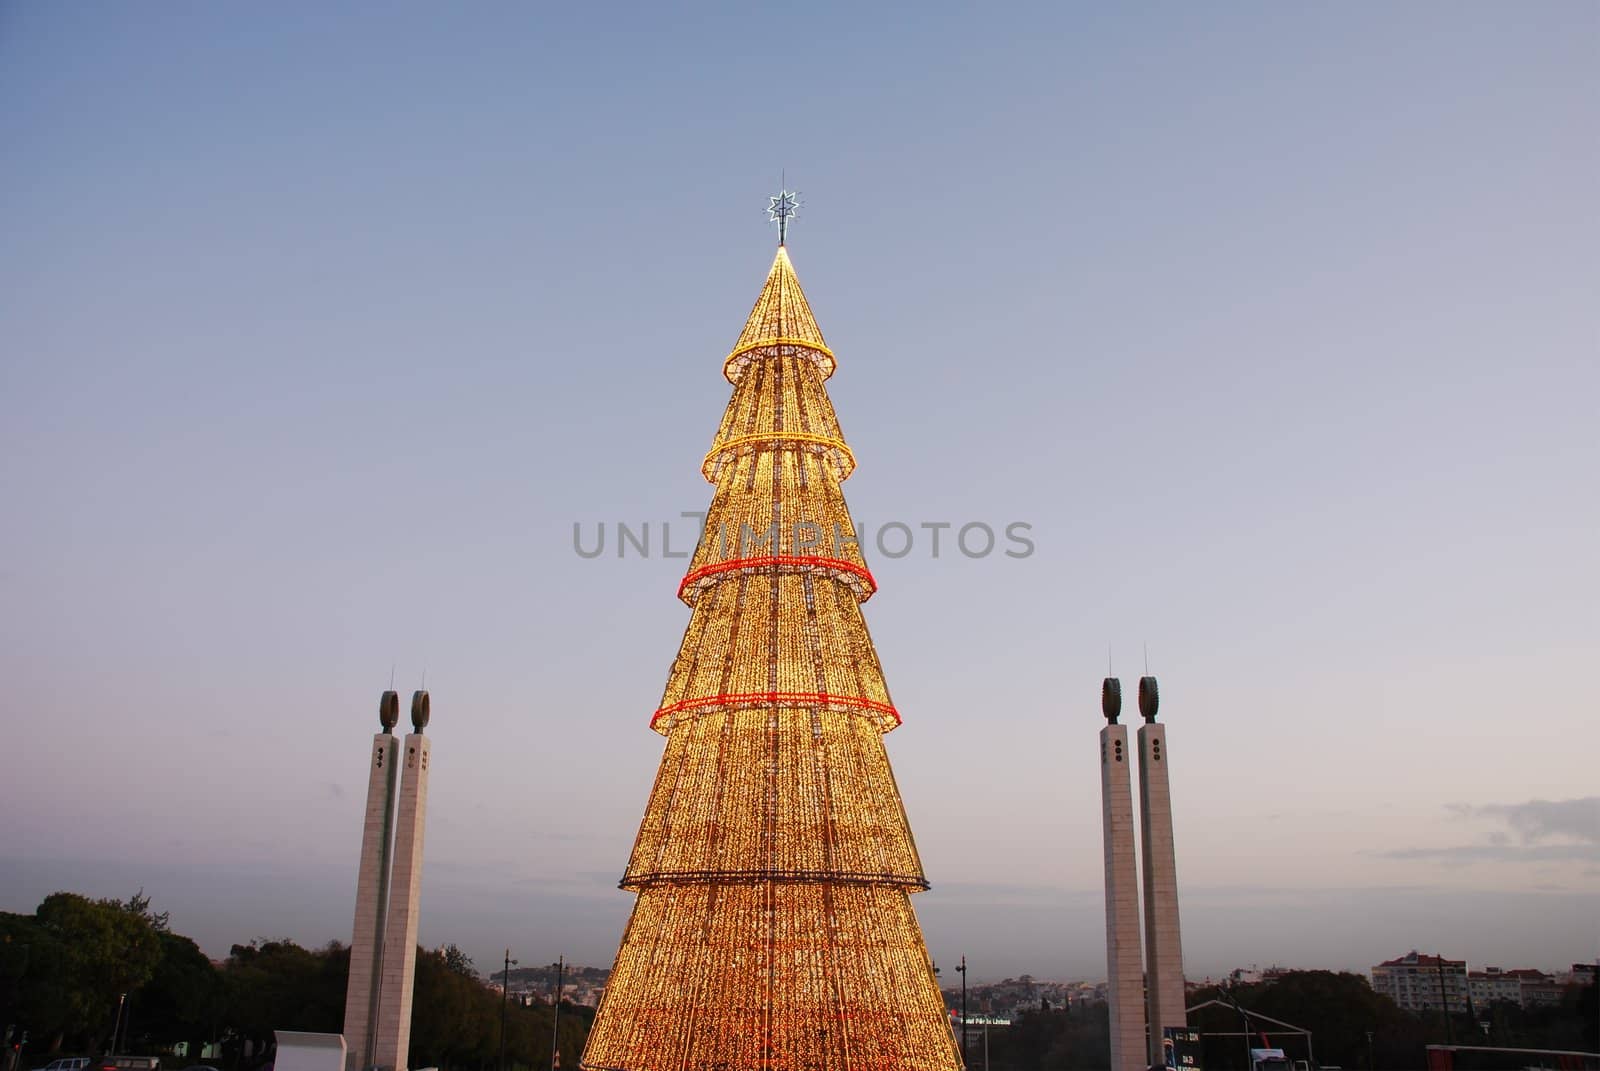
320	327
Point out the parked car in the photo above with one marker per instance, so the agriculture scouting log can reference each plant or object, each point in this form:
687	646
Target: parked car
67	1063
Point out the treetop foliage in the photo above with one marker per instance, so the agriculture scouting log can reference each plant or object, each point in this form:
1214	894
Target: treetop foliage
64	971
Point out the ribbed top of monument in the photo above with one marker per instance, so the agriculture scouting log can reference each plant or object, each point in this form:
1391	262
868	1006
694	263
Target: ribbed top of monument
1149	699
1111	699
389	711
781	322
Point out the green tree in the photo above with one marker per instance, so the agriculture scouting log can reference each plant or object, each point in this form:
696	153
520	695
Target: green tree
99	951
1588	1012
183	1001
458	961
1061	1039
1339	1008
63	969
139	905
22	970
277	985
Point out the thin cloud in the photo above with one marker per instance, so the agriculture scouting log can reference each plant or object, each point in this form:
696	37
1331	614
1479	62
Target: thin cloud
1536	831
1536	820
1500	853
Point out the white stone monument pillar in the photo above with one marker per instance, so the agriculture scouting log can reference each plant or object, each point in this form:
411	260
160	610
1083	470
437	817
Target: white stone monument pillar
1124	964
1163	945
372	893
400	944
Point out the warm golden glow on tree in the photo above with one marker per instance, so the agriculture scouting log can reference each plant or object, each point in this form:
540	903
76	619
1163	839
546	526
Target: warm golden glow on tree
774	865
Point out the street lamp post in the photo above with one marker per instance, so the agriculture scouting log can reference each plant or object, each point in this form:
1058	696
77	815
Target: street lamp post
1444	1001
505	997
1243	1015
962	970
555	1025
116	1026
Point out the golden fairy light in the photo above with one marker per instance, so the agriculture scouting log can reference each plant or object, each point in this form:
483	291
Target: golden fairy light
774	865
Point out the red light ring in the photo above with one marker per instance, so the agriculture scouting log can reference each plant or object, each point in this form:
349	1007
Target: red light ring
856	577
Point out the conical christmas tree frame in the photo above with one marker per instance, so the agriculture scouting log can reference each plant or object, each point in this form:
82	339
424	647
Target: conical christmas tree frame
774	928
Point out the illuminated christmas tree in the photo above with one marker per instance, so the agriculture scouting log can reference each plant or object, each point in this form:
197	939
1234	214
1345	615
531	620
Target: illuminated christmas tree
774	927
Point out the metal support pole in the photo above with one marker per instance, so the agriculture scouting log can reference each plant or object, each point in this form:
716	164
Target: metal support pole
555	1026
1444	1002
116	1025
505	997
1244	1015
962	970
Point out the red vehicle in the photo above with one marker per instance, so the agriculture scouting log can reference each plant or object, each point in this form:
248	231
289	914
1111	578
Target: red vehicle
127	1063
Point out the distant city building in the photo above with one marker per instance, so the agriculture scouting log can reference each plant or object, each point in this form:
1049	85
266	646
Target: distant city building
1418	982
1538	988
1524	986
1251	975
531	986
1492	985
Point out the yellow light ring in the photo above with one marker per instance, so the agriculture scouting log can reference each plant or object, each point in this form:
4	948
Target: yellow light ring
855	577
884	714
733	367
844	462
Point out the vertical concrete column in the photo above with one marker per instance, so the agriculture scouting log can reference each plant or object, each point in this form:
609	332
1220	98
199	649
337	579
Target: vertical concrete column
372	892
1124	964
1163	944
400	944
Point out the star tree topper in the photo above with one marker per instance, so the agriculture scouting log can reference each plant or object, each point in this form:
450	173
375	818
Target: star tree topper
781	209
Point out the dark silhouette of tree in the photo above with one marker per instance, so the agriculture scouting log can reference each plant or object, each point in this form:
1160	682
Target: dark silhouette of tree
1338	1007
63	969
139	905
183	1001
90	953
1077	1038
458	961
277	985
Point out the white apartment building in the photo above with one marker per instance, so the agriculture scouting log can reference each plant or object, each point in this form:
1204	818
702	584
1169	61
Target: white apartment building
1418	982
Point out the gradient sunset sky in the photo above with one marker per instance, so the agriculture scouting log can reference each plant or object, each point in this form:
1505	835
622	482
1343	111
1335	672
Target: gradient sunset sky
322	326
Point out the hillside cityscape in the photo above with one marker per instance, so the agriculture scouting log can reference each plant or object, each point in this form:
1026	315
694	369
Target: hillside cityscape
113	976
1416	982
